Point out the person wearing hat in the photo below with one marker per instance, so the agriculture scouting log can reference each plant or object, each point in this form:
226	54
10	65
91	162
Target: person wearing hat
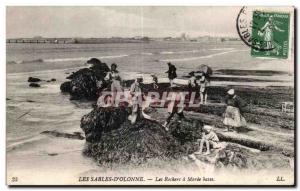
233	113
210	139
115	79
171	73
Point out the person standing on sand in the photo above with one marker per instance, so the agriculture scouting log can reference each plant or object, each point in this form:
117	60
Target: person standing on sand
171	73
115	79
233	115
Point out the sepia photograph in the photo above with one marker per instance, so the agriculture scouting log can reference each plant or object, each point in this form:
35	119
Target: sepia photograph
150	95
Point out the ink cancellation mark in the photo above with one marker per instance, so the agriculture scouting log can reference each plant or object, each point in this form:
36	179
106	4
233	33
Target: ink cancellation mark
267	33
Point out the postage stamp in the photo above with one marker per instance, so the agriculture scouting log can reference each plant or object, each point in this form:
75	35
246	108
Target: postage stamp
137	100
270	32
267	33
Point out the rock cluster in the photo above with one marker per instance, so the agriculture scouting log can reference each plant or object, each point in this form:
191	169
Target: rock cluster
112	139
87	83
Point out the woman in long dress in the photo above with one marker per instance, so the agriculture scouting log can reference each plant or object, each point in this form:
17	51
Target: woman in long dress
267	31
233	115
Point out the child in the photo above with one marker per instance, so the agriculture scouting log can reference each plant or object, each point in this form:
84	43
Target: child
203	91
210	138
154	82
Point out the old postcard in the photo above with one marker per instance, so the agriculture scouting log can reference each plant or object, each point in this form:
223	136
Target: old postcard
150	95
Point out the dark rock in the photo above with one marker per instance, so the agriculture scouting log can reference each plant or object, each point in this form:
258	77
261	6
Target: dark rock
93	61
186	130
65	135
34	85
65	87
112	139
52	154
98	66
74	74
99	69
33	79
101	120
87	83
48	81
84	84
53	80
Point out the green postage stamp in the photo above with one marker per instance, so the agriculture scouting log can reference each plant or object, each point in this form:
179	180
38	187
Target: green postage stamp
270	34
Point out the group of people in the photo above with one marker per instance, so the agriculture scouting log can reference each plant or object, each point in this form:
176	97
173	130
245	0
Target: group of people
233	116
201	81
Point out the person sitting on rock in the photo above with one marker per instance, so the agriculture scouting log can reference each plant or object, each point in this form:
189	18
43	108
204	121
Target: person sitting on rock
171	73
209	138
115	79
136	93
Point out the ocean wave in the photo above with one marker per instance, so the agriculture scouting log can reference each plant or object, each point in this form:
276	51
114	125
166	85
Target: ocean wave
181	52
167	52
84	58
146	53
200	57
20	143
63	59
222	49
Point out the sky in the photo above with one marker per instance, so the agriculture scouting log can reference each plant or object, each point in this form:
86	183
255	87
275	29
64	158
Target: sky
123	21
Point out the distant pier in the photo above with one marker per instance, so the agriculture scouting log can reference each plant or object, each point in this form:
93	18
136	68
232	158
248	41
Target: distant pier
76	40
42	40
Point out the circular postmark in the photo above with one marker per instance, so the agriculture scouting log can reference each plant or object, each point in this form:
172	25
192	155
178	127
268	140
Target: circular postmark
245	26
